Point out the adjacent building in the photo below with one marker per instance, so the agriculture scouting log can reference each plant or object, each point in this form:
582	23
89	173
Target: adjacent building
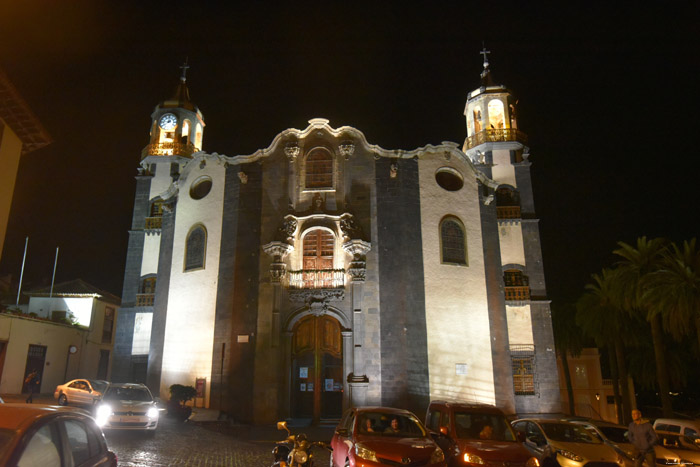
323	271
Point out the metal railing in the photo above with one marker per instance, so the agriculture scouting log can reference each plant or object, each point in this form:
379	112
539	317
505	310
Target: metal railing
317	279
508	212
145	299
517	293
154	223
168	149
496	135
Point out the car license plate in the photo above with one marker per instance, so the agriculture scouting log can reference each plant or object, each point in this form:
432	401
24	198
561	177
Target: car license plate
128	419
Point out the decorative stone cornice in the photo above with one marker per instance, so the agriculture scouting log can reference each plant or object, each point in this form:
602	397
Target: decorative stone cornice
312	296
278	250
357	248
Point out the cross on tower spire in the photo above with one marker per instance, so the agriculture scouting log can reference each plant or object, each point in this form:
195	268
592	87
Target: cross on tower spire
184	68
485	53
486	74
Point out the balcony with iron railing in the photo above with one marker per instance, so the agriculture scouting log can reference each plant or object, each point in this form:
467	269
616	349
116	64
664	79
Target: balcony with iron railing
153	223
508	212
317	279
494	135
169	149
145	299
517	293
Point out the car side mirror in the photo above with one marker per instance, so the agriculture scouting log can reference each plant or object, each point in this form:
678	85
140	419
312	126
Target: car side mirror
342	432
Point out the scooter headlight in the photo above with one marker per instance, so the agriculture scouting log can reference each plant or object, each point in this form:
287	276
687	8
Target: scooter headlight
300	457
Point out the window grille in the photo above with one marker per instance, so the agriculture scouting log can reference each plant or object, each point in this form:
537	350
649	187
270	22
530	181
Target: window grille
319	169
195	249
523	362
453	244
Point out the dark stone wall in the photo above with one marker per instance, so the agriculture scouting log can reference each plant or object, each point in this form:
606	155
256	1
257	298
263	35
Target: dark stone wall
498	320
123	338
524	182
160	304
404	350
237	294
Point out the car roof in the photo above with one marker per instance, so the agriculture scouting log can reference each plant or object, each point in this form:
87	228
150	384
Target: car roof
17	416
392	410
128	385
468	405
543	420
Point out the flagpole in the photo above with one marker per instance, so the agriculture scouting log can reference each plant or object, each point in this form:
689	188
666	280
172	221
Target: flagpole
54	273
21	274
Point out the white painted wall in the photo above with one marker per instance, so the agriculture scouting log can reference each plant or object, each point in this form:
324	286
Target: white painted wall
189	330
503	171
510	235
81	307
151	251
456	307
519	325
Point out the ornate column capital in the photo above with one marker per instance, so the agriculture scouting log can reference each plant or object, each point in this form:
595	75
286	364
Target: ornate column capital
278	251
358	266
346	149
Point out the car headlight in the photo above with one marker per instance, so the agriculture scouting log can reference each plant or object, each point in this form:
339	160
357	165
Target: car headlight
532	462
437	456
570	455
102	414
472	458
365	453
152	412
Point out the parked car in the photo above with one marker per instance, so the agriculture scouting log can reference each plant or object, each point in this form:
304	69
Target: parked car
684	446
558	442
43	435
466	439
80	392
616	436
127	406
689	428
380	436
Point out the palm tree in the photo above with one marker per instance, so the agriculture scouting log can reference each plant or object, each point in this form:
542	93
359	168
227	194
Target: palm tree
568	341
636	264
601	318
674	291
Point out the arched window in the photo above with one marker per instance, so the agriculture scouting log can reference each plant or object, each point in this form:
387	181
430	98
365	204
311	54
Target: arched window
507	203
195	248
185	134
319	246
319	169
497	117
453	241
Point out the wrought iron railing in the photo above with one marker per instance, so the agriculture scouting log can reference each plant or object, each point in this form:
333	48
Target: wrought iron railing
517	293
508	212
154	223
145	299
496	135
168	149
317	279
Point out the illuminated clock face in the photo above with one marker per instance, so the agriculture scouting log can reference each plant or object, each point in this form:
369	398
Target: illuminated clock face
168	122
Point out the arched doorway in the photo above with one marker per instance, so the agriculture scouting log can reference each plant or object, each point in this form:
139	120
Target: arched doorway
317	369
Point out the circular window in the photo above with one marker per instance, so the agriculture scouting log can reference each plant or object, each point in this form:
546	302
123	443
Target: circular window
449	179
200	188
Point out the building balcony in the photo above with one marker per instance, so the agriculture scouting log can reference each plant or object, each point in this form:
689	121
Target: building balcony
494	135
169	149
145	299
508	212
317	279
153	223
517	293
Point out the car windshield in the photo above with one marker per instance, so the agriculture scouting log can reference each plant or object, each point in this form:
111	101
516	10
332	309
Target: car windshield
614	434
568	433
128	394
475	425
390	424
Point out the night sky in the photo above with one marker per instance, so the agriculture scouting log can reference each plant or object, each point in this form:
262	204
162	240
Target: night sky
608	97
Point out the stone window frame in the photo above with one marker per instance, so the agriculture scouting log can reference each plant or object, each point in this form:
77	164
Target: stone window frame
202	263
456	220
303	174
523	362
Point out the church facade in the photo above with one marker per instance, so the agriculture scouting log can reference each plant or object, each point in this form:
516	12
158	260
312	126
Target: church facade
324	272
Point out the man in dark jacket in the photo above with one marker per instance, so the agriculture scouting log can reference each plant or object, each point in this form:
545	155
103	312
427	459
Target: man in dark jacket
643	437
31	381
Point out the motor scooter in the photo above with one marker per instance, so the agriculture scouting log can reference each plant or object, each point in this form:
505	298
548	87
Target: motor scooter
295	450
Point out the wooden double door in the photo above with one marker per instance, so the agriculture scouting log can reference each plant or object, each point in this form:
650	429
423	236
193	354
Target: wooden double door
317	369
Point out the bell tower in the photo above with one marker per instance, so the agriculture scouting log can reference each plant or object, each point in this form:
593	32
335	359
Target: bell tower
176	133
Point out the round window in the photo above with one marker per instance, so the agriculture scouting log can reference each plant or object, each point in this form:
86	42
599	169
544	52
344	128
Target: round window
449	179
200	188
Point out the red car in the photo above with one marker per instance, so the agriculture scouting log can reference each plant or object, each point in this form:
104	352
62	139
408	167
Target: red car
381	436
476	434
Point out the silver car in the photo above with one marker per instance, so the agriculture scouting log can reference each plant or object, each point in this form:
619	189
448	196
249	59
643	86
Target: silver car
558	442
80	392
127	406
685	446
616	435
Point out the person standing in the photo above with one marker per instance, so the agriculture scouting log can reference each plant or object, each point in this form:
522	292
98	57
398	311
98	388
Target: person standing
643	437
32	381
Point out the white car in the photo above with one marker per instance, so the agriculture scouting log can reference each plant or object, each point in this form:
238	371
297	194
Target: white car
80	392
127	406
